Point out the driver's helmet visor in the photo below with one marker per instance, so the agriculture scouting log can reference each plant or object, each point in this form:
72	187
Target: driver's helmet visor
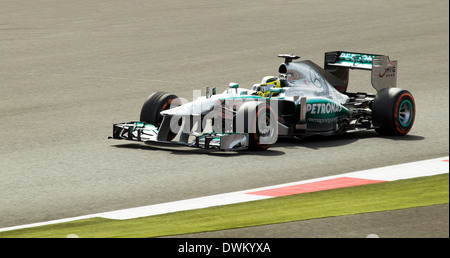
265	87
271	83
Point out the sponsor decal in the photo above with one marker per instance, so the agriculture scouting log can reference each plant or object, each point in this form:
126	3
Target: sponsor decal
323	120
323	108
356	58
388	72
324	115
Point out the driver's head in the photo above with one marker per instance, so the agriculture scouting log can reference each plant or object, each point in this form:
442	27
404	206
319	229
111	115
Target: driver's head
271	81
267	83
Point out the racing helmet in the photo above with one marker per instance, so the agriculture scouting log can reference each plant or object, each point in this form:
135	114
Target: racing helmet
272	81
266	84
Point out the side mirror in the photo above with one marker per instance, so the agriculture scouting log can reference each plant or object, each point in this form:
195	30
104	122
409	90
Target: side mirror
233	85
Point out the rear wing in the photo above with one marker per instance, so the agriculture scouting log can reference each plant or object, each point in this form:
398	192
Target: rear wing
384	71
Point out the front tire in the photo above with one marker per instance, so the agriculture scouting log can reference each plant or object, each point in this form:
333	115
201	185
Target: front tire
260	122
393	111
157	102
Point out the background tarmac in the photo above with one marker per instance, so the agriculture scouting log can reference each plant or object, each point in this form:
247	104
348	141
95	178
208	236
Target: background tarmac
70	69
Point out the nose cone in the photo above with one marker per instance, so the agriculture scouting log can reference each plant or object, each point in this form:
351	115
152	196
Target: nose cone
200	106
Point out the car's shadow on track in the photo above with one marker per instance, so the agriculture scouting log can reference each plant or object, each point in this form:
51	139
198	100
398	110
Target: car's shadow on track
181	150
407	137
318	142
312	142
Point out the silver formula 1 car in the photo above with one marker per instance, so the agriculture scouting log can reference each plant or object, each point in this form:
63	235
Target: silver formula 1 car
304	99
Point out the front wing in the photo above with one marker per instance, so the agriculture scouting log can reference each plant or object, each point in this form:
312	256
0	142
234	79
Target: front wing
148	133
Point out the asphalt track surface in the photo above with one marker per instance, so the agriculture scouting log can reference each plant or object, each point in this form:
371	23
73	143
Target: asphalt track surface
70	69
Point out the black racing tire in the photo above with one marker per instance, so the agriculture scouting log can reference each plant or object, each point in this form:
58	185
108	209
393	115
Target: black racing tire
260	122
155	103
393	112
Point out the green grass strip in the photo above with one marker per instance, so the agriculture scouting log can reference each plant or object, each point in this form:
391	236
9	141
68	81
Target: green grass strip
337	202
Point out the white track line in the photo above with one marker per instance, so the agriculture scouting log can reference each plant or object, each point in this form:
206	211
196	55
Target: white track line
389	173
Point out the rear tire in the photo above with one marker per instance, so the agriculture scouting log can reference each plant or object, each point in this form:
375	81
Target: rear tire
157	102
393	111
